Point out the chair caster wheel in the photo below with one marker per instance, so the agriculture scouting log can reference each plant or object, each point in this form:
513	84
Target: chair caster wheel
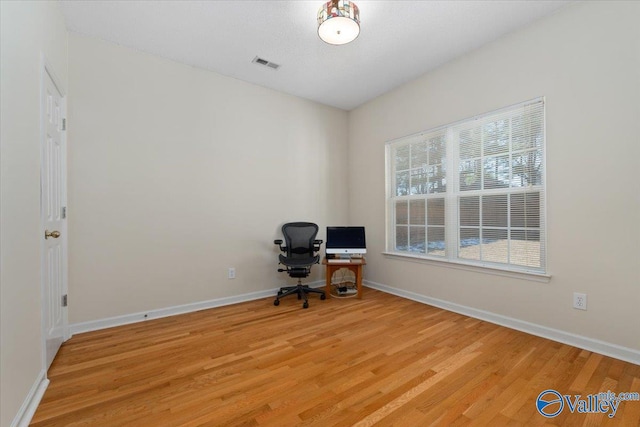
305	305
276	302
323	296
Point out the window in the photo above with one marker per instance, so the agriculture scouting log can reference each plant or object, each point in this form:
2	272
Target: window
472	192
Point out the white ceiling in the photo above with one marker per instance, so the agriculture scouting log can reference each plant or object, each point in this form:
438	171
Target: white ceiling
399	40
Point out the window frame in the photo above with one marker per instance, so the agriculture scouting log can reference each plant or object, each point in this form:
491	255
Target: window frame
454	194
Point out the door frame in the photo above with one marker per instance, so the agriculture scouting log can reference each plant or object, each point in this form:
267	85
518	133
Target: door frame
47	71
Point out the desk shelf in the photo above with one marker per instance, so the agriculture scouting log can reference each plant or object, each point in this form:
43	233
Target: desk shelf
354	265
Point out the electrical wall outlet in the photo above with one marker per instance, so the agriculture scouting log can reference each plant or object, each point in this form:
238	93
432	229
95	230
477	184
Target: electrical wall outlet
232	273
579	301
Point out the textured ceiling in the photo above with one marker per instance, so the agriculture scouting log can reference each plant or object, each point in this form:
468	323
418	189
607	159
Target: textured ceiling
399	40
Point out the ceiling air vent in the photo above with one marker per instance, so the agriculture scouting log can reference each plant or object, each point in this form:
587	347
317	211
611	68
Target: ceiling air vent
258	60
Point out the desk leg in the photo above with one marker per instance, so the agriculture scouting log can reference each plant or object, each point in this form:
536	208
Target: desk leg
327	289
359	281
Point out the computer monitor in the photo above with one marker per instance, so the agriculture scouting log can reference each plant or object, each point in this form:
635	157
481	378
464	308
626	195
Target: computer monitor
346	240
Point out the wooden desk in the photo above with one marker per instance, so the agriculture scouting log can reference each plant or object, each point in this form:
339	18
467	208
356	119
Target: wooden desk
353	265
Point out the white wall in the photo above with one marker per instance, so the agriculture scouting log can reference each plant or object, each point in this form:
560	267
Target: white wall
586	61
177	173
28	29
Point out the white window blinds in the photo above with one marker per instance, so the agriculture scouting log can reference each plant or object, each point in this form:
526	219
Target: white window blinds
473	191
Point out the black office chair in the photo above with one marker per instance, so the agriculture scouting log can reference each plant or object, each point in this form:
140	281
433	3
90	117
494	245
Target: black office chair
300	254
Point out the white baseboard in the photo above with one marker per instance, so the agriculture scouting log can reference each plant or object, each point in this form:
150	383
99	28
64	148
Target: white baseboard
613	350
31	402
602	347
94	325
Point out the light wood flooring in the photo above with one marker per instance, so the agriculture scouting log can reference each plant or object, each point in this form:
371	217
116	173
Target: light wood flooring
382	360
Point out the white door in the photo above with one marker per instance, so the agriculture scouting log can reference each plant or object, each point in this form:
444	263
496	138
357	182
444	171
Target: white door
53	190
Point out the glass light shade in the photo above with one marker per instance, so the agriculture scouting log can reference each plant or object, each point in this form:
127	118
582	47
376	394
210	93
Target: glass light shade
338	22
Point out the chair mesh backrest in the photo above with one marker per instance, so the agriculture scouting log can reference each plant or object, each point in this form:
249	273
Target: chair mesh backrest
299	237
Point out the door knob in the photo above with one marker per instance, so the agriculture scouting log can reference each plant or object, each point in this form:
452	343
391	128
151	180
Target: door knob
55	234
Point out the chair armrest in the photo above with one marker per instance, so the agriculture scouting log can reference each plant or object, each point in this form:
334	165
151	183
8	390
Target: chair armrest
279	243
316	245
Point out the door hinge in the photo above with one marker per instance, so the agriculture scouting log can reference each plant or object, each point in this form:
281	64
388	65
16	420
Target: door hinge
64	300
64	124
63	214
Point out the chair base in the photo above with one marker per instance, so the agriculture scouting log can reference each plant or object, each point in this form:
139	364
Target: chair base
301	290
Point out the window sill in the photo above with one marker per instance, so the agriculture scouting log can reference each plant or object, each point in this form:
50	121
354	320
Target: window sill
459	265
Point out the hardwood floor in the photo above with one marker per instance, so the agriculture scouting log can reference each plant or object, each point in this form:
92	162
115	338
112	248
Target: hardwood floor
382	360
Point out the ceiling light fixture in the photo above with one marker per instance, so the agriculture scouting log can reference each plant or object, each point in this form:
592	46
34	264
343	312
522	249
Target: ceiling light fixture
338	22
